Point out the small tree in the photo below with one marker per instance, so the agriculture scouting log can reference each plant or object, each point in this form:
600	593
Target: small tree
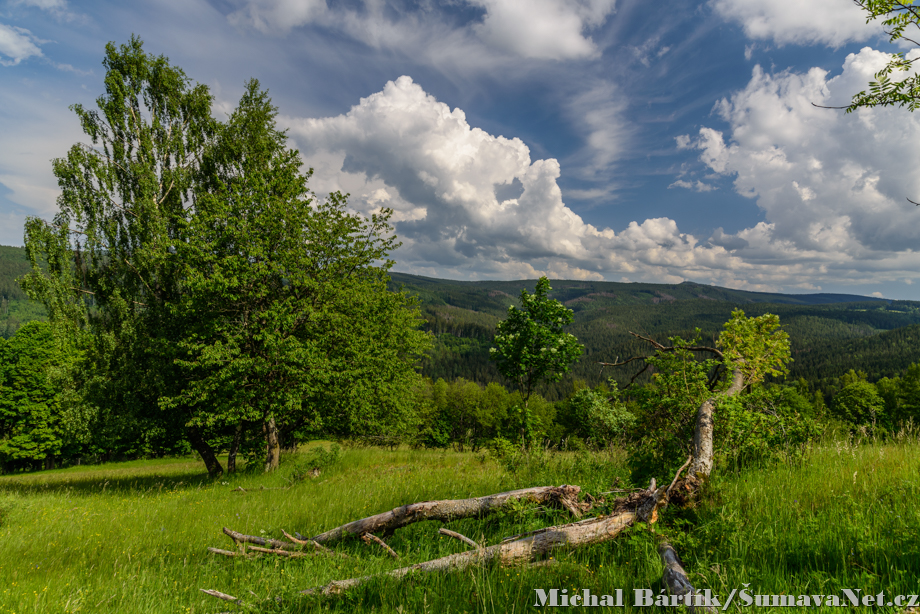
530	346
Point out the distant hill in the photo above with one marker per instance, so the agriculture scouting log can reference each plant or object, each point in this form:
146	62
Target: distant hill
831	333
463	316
15	307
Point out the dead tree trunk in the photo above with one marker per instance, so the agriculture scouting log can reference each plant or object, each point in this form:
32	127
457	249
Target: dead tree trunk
446	510
527	549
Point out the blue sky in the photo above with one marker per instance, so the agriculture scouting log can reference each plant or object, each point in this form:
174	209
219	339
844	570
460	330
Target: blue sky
583	139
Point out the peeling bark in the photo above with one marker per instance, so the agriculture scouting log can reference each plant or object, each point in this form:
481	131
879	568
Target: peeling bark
446	510
701	466
528	549
675	578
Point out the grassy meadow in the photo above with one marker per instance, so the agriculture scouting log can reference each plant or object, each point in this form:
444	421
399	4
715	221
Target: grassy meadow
132	537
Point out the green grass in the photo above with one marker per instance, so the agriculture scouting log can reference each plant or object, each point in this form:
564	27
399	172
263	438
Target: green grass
132	537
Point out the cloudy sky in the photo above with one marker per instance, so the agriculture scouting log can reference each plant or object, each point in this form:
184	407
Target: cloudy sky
620	140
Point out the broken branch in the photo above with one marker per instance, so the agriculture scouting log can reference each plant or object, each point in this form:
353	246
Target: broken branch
370	537
446	510
455	535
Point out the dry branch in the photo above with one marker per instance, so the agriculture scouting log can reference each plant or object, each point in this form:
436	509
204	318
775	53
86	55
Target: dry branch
455	535
370	537
675	578
525	550
277	544
278	551
449	509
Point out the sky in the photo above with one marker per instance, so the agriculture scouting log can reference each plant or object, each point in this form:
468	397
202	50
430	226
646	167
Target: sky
616	140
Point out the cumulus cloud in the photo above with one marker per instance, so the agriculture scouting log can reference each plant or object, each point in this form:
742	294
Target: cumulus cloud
16	45
537	29
829	22
544	29
833	186
469	204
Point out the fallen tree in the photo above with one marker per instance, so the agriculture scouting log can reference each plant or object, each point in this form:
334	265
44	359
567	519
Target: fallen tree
748	350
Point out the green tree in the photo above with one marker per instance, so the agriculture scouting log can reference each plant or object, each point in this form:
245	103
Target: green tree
111	249
218	297
32	427
893	85
531	347
293	324
860	404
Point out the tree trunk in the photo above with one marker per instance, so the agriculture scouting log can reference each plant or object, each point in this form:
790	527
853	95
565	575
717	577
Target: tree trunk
447	510
206	452
701	466
527	549
49	462
234	449
272	444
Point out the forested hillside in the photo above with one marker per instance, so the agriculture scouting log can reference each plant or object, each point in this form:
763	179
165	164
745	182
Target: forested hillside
830	333
15	307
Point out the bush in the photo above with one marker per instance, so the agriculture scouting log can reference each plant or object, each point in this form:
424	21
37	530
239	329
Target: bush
592	417
860	405
768	425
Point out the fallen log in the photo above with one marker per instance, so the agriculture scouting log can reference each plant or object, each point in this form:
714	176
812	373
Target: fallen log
530	549
675	578
450	509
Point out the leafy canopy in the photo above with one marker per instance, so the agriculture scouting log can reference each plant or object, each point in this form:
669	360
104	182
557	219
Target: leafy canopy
892	87
755	346
530	345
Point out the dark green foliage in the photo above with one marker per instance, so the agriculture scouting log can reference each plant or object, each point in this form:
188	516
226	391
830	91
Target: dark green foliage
466	415
860	405
772	423
15	307
32	431
531	347
595	417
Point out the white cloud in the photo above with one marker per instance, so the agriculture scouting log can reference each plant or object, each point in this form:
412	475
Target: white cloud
544	29
449	184
830	22
877	295
697	186
537	29
16	45
57	8
599	114
270	16
833	186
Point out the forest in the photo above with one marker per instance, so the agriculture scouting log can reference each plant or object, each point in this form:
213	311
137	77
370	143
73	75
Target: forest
459	398
195	318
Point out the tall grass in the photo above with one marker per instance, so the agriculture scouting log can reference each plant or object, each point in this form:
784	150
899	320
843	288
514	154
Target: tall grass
132	537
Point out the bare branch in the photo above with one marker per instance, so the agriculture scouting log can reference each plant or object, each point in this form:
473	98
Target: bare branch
455	535
370	537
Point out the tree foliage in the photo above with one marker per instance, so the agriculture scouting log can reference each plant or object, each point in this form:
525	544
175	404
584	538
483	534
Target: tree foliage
530	345
893	85
221	302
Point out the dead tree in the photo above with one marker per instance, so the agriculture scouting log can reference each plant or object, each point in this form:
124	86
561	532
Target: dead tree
749	349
